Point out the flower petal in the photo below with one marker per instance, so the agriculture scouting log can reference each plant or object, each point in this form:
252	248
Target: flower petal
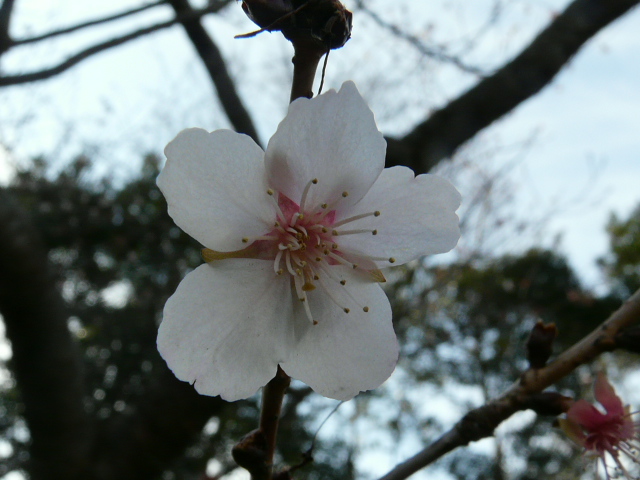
417	217
215	186
345	353
606	395
333	138
214	336
586	415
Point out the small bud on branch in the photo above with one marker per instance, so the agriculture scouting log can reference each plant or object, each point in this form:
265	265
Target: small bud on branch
540	344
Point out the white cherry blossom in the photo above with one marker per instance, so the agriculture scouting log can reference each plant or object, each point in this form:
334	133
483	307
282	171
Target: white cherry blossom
295	239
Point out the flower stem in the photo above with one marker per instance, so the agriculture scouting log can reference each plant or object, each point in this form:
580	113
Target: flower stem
272	397
305	64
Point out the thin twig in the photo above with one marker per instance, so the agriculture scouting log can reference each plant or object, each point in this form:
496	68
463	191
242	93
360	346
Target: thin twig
482	421
90	23
84	54
436	54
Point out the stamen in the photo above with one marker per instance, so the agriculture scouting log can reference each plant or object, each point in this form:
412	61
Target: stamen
339	259
365	309
308	312
296	217
336	233
287	260
261	237
330	207
330	295
305	192
275	202
276	263
356	217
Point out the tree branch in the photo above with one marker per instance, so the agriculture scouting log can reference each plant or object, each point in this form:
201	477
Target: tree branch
84	54
80	26
443	132
482	421
215	65
5	19
46	361
437	54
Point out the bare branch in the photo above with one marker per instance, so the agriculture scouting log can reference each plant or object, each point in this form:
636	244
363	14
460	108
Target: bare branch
434	53
482	421
46	360
91	23
83	55
443	132
5	19
215	65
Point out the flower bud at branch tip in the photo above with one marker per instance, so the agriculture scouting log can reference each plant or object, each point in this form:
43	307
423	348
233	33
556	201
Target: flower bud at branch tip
540	344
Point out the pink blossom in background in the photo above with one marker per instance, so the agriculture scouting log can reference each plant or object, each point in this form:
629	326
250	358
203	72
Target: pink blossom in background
609	436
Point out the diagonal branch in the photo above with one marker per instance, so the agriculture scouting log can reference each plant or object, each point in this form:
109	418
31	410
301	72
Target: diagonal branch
91	23
46	361
84	54
482	421
216	67
444	131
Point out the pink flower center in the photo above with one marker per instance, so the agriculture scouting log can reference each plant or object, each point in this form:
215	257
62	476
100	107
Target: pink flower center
305	243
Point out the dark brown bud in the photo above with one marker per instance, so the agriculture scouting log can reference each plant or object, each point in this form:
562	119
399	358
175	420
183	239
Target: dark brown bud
540	344
250	454
629	339
326	23
548	403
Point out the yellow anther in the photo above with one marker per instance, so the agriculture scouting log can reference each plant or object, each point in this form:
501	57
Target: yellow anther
343	282
376	213
346	310
374	232
365	309
392	260
245	240
345	194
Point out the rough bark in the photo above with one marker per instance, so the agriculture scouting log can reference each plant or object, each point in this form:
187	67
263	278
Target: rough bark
439	136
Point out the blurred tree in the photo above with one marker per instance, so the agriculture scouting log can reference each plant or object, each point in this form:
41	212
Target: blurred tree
116	257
